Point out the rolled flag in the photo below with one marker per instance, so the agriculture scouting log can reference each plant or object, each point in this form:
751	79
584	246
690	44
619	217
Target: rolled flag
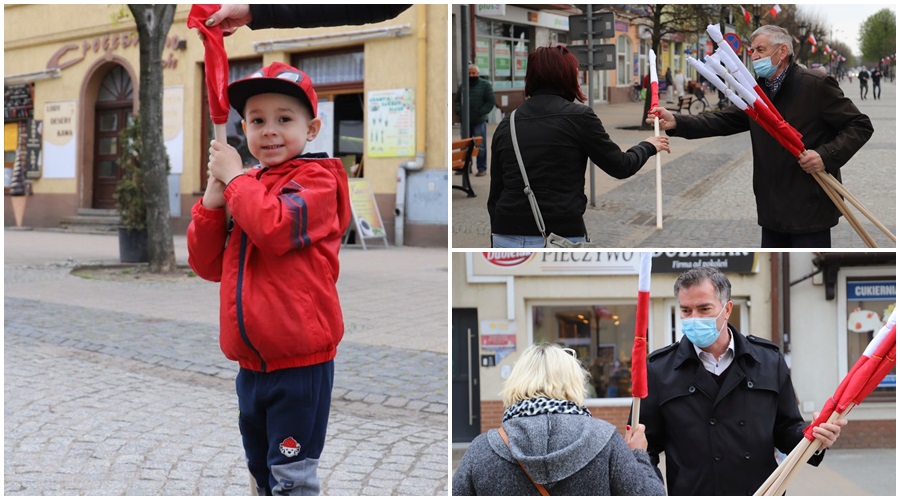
639	351
876	361
215	61
654	81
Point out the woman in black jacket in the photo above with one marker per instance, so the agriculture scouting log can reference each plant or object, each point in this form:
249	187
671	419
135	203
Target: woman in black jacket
556	136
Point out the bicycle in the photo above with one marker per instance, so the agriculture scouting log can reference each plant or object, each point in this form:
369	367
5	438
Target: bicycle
636	93
699	105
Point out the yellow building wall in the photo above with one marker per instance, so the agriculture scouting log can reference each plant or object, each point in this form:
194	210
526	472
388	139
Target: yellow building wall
417	61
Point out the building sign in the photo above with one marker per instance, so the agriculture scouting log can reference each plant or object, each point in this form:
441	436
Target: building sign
498	336
606	262
727	262
59	139
494	9
17	102
71	54
872	290
392	123
33	140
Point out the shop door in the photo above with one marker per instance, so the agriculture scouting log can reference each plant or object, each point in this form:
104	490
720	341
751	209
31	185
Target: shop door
112	114
466	388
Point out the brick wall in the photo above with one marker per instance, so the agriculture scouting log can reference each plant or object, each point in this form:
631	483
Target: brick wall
859	434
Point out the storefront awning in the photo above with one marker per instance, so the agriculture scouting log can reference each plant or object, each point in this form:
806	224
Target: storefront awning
23	78
332	38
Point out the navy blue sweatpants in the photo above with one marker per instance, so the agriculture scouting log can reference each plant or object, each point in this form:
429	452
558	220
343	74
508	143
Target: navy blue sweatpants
284	416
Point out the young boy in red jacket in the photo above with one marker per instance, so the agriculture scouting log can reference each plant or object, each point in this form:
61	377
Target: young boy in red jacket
276	257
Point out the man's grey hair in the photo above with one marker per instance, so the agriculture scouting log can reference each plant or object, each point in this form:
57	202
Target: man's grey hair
473	65
777	35
698	275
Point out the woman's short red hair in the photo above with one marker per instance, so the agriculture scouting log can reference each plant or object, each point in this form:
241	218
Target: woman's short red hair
553	68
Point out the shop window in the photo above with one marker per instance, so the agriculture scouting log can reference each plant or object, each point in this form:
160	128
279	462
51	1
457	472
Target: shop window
602	335
10	142
870	302
623	56
501	53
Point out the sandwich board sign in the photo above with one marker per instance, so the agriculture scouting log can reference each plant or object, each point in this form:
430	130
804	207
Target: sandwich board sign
366	218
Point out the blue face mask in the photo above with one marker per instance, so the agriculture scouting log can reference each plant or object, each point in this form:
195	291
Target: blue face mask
702	332
764	67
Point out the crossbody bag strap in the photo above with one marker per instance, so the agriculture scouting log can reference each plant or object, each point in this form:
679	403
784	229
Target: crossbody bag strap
503	435
535	209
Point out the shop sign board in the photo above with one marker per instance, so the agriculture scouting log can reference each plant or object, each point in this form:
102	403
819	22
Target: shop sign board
366	217
608	263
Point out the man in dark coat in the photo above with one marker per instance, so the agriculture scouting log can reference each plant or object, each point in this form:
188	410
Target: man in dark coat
791	207
719	402
481	102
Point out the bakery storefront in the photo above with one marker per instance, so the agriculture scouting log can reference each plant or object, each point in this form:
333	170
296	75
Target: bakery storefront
503	302
72	89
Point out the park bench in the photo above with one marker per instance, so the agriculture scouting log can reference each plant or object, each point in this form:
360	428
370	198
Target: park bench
464	153
684	103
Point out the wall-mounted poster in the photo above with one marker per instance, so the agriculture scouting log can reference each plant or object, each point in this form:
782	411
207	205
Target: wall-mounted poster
392	123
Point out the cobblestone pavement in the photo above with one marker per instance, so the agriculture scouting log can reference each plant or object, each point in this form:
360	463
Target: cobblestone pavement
707	190
107	397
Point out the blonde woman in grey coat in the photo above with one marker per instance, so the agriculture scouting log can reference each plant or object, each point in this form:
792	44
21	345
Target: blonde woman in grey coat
555	439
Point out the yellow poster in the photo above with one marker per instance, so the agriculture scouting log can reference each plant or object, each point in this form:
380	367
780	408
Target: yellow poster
362	200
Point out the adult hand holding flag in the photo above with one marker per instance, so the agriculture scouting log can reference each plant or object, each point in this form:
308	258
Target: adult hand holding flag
879	358
215	66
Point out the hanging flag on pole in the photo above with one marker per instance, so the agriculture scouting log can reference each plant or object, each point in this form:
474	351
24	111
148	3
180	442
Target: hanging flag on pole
639	350
746	14
215	62
812	39
774	10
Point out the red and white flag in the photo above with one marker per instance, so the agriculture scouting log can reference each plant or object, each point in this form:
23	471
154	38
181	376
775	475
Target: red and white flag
812	39
774	10
746	14
639	351
796	40
813	49
827	49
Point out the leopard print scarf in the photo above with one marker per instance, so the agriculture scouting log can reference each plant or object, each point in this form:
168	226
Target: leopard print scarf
542	405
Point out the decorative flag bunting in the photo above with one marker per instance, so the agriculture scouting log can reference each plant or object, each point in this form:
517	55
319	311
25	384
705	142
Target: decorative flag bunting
774	10
215	65
879	358
639	350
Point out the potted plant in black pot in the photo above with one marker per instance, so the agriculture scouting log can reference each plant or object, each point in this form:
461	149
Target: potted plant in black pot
130	198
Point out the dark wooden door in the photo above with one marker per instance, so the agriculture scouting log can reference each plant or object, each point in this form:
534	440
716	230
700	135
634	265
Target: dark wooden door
112	114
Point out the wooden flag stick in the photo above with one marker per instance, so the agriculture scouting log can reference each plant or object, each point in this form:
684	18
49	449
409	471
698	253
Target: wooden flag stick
839	203
635	411
659	217
791	458
841	189
812	448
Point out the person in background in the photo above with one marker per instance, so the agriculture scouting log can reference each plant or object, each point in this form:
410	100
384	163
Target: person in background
863	83
876	83
481	102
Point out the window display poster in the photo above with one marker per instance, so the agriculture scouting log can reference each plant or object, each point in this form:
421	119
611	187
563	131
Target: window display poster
483	57
59	139
521	57
869	304
501	58
392	123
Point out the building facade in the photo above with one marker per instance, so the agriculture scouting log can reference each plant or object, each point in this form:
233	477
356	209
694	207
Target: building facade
381	87
504	301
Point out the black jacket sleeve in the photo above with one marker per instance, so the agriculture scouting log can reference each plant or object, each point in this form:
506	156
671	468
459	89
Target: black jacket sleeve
607	155
315	16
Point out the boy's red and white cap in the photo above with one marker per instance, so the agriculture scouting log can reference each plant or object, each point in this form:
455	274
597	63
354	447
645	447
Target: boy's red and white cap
276	78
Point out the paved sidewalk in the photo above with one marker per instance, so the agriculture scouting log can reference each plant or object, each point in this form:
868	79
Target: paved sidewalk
708	198
117	387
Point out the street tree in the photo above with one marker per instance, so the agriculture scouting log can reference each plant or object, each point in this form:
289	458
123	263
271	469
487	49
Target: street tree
669	19
878	36
153	23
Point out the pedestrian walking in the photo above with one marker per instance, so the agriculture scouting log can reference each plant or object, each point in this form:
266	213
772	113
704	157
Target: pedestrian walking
792	210
876	83
550	441
481	102
556	137
679	82
287	217
863	83
669	83
719	403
